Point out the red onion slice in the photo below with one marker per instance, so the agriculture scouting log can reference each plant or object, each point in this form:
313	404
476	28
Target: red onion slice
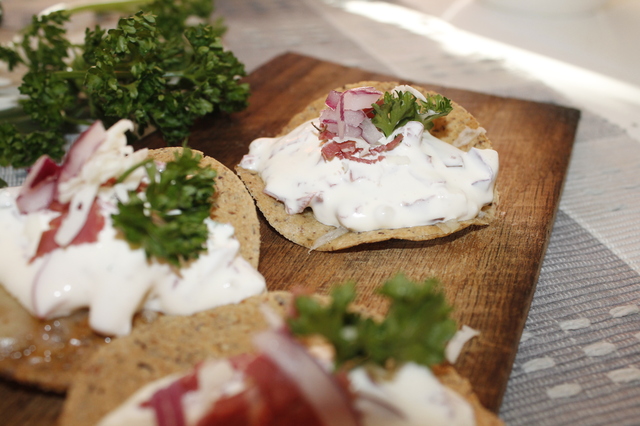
353	118
329	116
92	225
39	188
328	399
370	132
360	98
82	149
346	110
79	208
333	99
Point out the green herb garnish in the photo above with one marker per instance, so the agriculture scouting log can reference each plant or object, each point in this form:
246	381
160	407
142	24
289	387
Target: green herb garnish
416	328
167	218
152	68
397	110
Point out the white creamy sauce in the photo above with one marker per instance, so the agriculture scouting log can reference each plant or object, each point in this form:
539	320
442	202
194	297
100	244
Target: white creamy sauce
419	398
422	181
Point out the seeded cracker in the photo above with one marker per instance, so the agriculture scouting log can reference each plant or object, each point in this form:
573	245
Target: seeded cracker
174	344
46	354
458	126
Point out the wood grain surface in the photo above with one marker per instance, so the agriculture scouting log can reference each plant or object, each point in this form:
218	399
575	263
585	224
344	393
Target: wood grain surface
490	273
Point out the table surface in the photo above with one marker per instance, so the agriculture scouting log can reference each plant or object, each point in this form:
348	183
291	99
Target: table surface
578	361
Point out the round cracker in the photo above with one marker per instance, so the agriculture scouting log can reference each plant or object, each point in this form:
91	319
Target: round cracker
46	354
305	230
175	344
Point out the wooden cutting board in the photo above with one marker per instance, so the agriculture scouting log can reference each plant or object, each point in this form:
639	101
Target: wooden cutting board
490	273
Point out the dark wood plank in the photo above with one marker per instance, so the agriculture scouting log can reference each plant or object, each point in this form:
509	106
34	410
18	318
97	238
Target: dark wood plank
490	273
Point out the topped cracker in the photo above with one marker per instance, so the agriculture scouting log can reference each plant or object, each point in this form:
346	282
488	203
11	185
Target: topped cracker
458	128
172	345
47	353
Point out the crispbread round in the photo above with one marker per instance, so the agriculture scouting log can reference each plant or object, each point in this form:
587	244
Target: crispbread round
305	230
175	344
47	354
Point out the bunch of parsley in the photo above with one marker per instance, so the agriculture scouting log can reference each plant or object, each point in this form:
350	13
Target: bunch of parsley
398	109
416	328
167	218
152	68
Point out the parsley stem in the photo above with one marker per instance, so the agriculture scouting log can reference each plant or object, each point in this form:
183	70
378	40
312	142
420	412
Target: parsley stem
77	121
103	6
70	75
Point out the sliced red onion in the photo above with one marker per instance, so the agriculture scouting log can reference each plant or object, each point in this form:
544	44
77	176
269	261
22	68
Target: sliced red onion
79	209
353	118
332	127
347	132
345	109
39	188
370	132
329	400
329	116
360	98
92	225
352	132
333	99
81	150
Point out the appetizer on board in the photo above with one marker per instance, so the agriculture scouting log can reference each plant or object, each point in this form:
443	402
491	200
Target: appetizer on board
112	237
284	359
370	162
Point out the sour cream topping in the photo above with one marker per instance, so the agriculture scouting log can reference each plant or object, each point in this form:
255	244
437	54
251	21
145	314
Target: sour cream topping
416	395
110	277
421	181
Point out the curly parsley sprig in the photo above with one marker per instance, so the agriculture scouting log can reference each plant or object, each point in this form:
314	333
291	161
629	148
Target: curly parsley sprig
398	109
152	68
416	327
167	218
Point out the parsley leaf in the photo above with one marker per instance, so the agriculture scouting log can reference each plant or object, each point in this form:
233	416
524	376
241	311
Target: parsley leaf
22	150
167	218
397	110
416	327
